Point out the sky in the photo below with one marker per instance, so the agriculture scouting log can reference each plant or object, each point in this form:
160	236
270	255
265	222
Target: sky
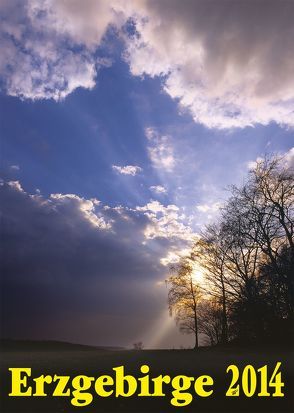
122	125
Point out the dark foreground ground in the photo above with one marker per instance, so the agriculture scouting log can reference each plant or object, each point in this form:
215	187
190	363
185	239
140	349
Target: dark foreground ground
72	361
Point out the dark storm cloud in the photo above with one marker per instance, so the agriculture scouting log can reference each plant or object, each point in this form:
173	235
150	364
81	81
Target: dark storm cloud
229	62
68	262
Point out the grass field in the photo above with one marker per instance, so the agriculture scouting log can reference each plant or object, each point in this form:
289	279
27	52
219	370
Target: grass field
72	361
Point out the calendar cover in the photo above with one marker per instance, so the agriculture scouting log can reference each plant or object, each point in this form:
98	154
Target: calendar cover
146	206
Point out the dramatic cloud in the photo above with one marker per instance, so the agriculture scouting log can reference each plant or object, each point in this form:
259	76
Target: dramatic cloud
83	22
127	170
230	63
47	47
86	206
70	263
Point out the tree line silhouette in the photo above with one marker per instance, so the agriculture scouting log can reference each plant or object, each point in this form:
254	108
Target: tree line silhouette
247	261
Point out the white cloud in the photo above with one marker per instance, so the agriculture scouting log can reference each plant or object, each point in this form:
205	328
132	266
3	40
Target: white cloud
14	167
153	220
158	189
127	170
252	164
83	22
160	149
165	222
231	64
174	256
289	158
86	206
15	185
157	207
161	227
47	46
214	207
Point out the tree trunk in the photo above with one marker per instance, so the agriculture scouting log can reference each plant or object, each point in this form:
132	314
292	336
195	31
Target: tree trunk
224	338
195	313
196	329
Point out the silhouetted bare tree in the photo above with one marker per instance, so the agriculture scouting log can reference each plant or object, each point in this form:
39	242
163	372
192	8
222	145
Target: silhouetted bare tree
184	297
247	259
210	316
208	252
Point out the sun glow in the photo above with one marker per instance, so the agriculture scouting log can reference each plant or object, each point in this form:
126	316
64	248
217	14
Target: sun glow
197	274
